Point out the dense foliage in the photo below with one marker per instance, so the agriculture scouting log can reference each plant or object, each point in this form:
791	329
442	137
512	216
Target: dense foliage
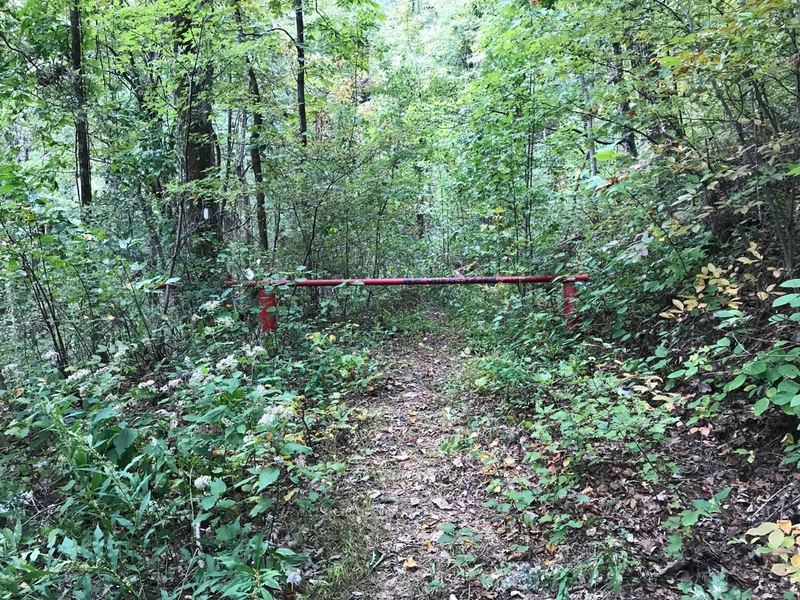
158	446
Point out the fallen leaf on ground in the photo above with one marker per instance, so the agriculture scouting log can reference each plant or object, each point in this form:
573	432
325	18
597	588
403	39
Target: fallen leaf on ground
442	503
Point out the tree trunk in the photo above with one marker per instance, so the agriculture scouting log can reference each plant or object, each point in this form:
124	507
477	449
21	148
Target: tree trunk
301	70
255	146
203	216
84	167
255	161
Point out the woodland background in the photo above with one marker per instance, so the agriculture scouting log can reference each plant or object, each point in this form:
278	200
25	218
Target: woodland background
153	149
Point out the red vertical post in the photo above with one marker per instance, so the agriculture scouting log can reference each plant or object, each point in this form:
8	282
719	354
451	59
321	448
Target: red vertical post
267	314
570	291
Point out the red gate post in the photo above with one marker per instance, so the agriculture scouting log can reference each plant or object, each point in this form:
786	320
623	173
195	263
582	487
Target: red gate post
570	291
267	315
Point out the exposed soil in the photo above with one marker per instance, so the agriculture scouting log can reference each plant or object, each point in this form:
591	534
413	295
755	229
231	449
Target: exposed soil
426	456
414	484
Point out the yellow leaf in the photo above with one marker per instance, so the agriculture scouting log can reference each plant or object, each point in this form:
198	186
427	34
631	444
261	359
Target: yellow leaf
666	315
409	564
796	560
781	569
762	295
785	525
678	304
762	529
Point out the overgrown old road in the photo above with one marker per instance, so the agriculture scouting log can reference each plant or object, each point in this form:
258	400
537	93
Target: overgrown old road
415	479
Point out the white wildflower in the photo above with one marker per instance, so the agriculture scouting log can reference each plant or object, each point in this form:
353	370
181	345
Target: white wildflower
27	498
210	306
50	356
202	482
77	376
171	385
147	385
259	392
187	362
293	577
227	363
226	322
274	413
197	377
252	351
12	372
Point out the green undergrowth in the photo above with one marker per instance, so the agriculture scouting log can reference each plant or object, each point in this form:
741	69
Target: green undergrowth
184	481
588	430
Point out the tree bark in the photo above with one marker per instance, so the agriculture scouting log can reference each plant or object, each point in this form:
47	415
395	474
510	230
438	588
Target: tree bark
255	160
84	166
255	146
203	216
301	70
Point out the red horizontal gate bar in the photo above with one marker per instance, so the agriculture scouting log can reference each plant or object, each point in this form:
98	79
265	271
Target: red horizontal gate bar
480	279
268	302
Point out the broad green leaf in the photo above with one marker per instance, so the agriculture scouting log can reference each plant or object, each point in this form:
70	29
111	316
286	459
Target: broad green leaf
761	406
267	477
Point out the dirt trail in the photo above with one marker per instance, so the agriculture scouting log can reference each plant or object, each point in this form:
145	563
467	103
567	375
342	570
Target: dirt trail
417	479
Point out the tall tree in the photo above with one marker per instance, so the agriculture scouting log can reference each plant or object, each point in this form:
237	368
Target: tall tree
300	42
84	166
255	141
201	214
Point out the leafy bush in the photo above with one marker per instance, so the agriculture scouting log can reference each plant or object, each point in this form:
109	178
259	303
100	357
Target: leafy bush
174	484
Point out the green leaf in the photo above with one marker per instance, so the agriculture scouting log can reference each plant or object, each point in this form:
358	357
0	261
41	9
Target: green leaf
69	548
143	507
736	383
606	154
124	439
217	487
689	517
789	371
756	368
791	283
674	545
785	299
267	477
761	406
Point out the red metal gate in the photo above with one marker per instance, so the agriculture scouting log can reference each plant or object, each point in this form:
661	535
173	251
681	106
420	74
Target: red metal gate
268	302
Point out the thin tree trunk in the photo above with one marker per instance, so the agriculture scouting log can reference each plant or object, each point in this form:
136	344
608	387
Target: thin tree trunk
255	146
301	70
255	161
81	121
